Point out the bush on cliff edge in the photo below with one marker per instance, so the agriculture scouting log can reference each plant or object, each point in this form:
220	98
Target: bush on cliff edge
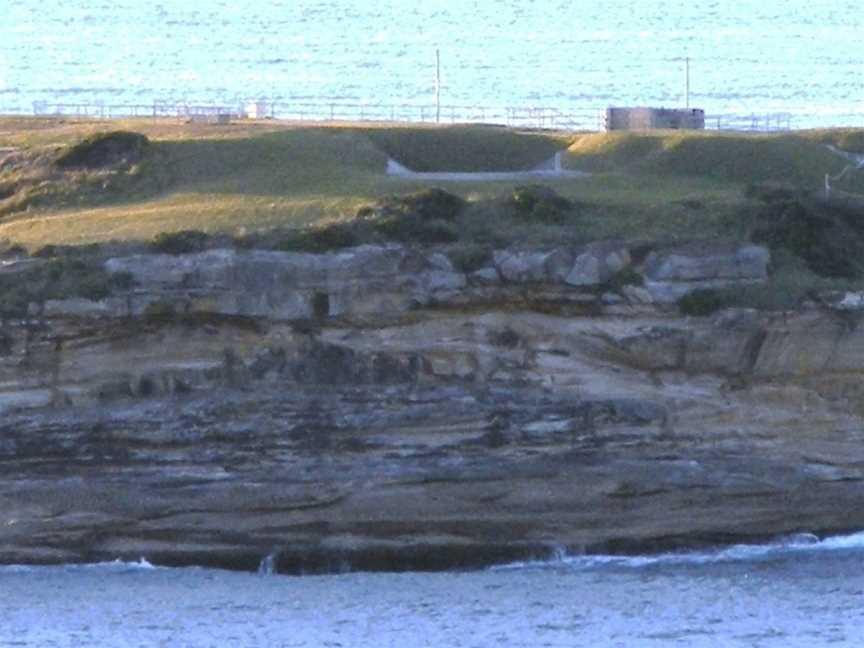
827	234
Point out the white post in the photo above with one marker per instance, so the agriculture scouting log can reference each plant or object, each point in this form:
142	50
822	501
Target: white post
437	86
687	82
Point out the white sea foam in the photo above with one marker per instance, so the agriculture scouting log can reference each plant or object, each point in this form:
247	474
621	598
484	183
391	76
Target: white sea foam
117	565
787	546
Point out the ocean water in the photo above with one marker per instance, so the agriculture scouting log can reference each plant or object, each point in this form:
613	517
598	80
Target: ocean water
795	593
797	56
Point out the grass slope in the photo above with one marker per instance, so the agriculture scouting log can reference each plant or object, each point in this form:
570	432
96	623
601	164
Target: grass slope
467	148
738	158
253	177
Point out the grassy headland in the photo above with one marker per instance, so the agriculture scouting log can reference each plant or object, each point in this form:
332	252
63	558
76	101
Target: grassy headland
296	186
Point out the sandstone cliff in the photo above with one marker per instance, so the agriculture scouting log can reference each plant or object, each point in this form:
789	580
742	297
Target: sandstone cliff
376	408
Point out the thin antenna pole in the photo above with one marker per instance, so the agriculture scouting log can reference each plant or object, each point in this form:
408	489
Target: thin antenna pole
687	83
437	86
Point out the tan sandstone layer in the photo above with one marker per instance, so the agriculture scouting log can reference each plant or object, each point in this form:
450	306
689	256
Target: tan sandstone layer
378	409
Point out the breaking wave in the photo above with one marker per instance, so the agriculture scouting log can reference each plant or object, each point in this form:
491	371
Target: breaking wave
142	564
782	548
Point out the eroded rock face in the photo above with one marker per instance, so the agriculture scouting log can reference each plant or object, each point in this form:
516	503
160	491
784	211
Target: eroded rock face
287	286
671	274
378	409
391	280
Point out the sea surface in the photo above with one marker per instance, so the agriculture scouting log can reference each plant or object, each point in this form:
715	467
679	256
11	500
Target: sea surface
798	56
799	592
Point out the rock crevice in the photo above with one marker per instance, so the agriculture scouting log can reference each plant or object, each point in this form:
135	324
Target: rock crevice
378	408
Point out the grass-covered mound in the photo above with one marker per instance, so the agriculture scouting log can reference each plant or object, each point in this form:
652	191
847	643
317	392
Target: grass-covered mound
104	150
213	182
102	169
740	158
467	148
609	152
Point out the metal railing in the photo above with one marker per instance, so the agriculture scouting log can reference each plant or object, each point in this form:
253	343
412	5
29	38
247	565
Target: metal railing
100	110
543	117
752	122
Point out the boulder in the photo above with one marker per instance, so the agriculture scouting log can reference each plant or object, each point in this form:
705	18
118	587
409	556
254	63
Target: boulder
486	275
518	266
697	262
843	301
637	294
673	273
597	263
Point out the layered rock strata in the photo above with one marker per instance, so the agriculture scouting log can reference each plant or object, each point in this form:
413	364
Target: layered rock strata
376	408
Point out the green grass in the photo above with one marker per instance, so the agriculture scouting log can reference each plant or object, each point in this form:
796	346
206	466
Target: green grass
729	157
251	178
847	139
466	148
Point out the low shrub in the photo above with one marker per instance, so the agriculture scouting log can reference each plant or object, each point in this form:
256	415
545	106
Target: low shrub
46	252
320	239
413	229
58	278
10	250
468	257
702	302
540	203
625	277
771	191
436	204
827	237
182	242
62	278
429	204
